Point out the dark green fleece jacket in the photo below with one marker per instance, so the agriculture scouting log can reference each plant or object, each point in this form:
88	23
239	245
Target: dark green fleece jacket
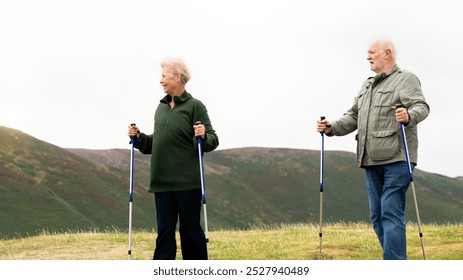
173	147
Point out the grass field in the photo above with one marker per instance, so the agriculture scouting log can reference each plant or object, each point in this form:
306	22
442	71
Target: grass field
284	242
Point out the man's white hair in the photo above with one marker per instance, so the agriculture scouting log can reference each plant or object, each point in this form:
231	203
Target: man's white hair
386	44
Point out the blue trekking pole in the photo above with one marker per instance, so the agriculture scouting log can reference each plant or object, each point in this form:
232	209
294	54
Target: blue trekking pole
203	188
132	140
412	184
322	165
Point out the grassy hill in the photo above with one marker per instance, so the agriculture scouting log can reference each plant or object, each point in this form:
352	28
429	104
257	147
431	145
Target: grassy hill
46	187
43	186
264	186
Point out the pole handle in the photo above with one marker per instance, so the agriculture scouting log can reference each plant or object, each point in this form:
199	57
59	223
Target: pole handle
397	106
133	124
198	138
322	118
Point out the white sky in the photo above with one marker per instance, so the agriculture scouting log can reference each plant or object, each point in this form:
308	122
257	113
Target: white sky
76	73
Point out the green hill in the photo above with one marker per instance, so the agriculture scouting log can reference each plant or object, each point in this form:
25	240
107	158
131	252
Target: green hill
265	186
46	187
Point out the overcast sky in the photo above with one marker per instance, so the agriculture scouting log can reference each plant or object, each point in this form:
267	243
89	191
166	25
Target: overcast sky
76	73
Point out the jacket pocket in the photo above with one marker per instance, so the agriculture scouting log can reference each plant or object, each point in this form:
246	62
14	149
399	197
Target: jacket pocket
384	144
386	97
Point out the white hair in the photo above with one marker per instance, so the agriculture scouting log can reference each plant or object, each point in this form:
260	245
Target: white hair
177	66
386	44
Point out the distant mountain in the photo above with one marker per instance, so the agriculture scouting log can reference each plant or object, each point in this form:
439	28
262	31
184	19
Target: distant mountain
43	186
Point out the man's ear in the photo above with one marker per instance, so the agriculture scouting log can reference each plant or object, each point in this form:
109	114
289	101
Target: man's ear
388	53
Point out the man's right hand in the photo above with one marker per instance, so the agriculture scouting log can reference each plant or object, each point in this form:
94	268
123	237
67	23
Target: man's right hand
324	126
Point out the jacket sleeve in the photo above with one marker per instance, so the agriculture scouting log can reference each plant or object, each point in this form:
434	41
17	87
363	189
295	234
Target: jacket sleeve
349	121
211	140
144	143
411	96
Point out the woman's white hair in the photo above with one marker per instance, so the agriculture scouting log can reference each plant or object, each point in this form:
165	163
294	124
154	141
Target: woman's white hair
177	66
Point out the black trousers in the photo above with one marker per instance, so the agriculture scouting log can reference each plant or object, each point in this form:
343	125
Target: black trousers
186	206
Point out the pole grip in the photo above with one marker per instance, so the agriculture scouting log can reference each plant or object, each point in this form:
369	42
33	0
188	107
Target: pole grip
399	105
133	137
322	118
198	138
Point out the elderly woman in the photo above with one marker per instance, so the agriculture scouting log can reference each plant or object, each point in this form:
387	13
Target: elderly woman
175	170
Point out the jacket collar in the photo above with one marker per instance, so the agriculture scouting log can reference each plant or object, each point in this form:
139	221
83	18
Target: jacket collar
177	99
381	76
394	69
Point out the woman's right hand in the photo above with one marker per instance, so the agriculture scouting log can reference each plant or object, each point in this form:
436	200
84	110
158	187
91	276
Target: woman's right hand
133	131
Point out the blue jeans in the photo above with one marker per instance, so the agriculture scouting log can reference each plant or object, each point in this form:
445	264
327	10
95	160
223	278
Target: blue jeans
387	188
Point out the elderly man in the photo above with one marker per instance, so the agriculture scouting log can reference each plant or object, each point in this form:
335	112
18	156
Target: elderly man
379	142
175	170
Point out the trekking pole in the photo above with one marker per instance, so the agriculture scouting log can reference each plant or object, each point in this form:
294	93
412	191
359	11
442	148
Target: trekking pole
132	140
412	184
203	188
322	163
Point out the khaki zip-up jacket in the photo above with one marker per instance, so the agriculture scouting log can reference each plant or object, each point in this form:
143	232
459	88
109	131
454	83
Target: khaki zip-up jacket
379	139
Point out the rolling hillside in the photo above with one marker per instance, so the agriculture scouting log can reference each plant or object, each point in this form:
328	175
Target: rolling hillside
43	186
46	187
262	186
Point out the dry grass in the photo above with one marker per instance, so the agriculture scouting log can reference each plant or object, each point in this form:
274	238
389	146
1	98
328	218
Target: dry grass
284	242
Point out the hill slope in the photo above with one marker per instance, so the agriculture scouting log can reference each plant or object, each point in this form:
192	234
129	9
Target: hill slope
263	186
46	187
